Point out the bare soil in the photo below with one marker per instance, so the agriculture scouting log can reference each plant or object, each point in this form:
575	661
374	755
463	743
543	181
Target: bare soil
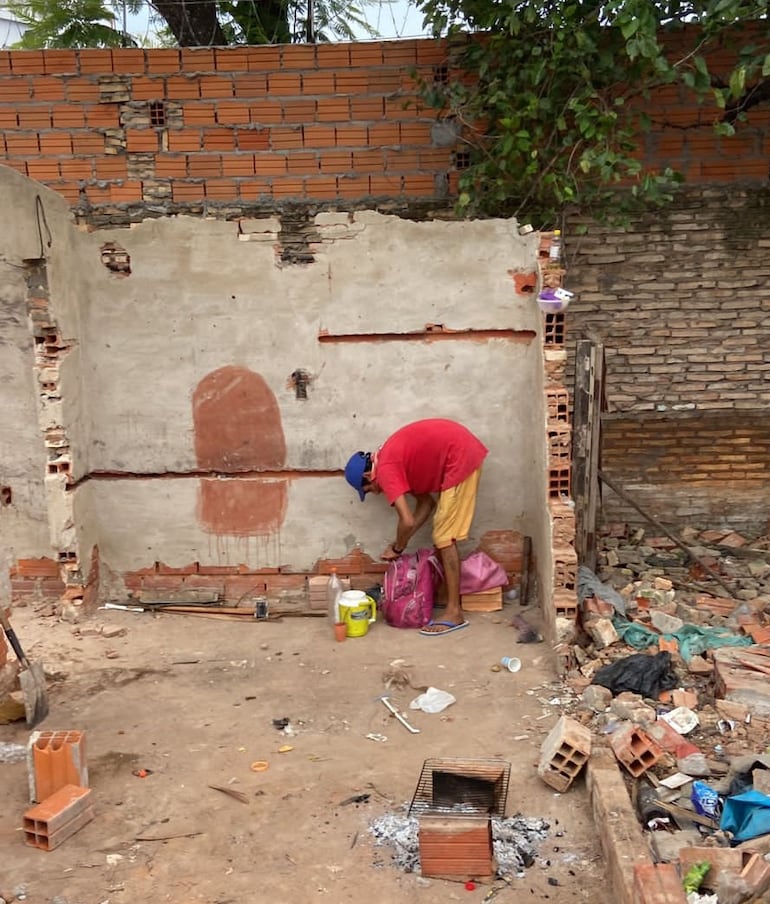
193	701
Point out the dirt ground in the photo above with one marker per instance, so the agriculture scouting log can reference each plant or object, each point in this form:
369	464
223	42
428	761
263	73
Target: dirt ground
193	701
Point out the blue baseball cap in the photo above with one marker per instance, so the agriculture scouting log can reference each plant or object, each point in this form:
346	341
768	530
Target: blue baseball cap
354	471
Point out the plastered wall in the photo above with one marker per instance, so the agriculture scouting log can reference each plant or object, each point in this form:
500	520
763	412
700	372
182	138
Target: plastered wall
186	436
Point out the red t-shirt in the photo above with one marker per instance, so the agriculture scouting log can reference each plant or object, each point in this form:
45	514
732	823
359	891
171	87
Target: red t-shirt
427	457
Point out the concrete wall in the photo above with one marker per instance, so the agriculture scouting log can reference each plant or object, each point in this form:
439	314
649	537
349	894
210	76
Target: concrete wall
186	441
23	457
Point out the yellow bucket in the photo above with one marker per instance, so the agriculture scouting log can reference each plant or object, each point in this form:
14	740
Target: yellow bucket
357	611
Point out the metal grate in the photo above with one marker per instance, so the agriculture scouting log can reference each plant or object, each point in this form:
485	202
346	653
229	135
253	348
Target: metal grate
454	786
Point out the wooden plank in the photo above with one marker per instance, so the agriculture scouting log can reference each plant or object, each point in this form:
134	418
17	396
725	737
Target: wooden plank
586	418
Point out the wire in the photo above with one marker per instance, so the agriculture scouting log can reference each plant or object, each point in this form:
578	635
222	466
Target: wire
41	221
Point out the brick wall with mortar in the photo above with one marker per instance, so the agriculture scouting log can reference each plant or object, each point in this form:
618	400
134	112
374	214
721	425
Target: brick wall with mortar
123	134
241	127
681	306
117	132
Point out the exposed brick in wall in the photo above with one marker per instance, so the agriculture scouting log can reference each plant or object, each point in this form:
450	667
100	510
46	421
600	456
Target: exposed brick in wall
241	125
711	473
681	303
245	127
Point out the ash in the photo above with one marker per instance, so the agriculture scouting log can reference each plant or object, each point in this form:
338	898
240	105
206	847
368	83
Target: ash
515	840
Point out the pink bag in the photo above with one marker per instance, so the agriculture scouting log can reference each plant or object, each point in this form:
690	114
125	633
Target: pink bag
409	589
480	572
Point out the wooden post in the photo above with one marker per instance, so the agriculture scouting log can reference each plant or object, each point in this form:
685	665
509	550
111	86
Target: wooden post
586	446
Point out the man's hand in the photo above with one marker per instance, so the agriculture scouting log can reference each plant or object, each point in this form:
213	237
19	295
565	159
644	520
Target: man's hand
390	554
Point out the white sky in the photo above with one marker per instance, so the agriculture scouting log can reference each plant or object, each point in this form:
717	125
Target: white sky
391	19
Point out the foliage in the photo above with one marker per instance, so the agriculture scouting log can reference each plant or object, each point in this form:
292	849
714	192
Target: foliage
91	23
553	95
69	23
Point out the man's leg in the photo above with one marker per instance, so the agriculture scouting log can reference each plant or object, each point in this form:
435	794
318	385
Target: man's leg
452	522
450	560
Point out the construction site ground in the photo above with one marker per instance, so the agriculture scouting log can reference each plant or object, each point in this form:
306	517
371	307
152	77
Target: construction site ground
191	702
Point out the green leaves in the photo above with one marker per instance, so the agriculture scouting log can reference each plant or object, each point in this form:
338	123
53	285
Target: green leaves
561	83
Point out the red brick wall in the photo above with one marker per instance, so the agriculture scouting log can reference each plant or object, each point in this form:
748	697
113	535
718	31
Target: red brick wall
259	125
242	124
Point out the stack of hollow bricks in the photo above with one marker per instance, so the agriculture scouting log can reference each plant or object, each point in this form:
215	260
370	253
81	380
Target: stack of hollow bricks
559	436
58	781
228	125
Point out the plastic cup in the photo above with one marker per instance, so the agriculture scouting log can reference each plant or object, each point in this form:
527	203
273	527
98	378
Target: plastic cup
511	663
340	631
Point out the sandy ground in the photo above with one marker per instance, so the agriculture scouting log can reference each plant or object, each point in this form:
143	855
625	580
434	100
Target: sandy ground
194	700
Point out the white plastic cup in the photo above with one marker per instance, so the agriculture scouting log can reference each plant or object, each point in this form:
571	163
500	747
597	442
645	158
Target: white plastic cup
511	663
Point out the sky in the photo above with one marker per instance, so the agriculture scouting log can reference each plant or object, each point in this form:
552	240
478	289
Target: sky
391	19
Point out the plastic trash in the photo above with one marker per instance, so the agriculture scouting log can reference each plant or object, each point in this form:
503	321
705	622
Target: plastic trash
432	700
682	719
746	815
640	674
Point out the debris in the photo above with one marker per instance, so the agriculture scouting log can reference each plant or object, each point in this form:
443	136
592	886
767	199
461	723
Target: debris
375	736
231	792
639	673
433	700
527	634
259	766
355	799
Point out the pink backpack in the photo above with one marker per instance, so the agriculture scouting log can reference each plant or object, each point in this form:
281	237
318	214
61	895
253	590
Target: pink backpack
409	588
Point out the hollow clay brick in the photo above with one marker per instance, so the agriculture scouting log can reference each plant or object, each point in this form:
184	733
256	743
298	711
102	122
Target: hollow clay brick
55	759
564	753
635	749
58	817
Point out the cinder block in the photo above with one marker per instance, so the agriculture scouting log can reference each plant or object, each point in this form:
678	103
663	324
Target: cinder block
559	445
565	604
557	404
564	753
58	817
658	883
564	568
562	523
635	749
55	759
559	483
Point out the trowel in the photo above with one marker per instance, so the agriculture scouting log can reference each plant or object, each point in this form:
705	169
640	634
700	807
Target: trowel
31	677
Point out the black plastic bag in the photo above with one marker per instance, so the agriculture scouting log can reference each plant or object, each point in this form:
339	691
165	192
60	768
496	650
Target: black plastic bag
640	673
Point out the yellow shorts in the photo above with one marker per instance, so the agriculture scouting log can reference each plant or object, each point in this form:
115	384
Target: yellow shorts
454	513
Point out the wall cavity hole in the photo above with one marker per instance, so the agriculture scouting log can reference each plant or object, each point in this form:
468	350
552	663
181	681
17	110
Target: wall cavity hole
116	259
157	114
6	496
299	381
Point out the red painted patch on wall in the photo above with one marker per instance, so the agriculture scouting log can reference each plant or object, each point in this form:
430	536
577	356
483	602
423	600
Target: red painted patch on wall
238	428
245	507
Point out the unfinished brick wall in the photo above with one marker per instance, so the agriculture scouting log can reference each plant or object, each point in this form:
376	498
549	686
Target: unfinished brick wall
681	306
235	126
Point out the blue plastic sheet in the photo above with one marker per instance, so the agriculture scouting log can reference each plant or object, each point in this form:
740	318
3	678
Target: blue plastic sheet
746	815
692	639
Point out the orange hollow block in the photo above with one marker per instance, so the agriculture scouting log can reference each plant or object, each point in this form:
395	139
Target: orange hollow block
55	759
58	817
635	749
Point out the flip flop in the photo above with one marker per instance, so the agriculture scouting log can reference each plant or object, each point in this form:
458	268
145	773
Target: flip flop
447	625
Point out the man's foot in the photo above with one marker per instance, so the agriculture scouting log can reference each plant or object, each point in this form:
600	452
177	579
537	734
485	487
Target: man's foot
445	626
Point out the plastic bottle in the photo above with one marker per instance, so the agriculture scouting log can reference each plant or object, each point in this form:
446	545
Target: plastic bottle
333	594
555	251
